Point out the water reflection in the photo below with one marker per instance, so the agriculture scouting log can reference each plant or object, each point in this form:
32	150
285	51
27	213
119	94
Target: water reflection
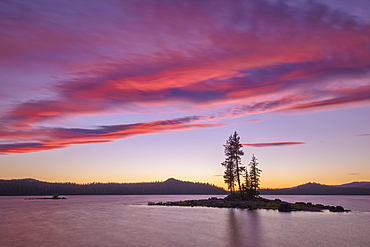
254	235
244	228
234	229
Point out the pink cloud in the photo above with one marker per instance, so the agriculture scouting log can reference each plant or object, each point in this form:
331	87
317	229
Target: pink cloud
272	144
363	135
52	138
228	58
359	96
211	74
252	120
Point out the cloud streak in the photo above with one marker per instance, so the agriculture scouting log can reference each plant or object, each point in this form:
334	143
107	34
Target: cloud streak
272	144
354	174
53	138
363	135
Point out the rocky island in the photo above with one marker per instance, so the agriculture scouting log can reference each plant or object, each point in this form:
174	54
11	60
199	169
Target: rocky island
252	204
55	197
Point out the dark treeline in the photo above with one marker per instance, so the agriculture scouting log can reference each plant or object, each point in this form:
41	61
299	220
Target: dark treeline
24	187
317	189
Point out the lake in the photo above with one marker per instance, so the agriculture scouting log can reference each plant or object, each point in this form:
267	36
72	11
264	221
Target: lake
126	220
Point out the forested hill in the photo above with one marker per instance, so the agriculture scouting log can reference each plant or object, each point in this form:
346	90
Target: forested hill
23	187
356	188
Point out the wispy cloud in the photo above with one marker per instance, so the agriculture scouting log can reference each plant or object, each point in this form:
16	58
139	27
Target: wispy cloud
354	174
52	138
252	120
363	135
272	144
243	58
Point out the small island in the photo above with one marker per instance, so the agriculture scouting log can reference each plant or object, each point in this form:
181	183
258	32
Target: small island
246	196
55	197
253	204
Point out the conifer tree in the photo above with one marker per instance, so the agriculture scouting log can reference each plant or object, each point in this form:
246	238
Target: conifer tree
233	151
247	184
254	176
229	176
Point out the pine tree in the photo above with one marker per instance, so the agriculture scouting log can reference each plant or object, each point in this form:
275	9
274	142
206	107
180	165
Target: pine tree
247	184
254	176
233	151
229	176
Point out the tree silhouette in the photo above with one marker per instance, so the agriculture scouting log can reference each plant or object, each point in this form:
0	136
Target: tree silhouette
234	168
247	184
229	176
254	176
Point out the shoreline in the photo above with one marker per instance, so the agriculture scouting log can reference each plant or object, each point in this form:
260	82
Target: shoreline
253	204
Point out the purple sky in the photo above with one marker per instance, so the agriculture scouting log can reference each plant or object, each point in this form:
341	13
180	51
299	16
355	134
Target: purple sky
145	90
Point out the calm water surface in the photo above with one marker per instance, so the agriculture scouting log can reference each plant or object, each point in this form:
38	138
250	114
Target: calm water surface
128	221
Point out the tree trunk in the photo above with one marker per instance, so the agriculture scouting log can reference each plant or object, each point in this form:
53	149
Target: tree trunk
238	178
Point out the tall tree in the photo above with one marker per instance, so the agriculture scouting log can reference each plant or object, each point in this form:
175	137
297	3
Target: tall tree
254	176
229	176
233	151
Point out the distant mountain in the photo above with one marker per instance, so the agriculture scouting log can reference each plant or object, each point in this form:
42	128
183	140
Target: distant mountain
356	188
356	184
29	186
27	179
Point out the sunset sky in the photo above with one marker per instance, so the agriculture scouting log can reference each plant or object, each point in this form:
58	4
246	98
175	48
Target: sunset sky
130	91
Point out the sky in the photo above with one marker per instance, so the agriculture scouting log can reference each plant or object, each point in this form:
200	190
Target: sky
131	91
